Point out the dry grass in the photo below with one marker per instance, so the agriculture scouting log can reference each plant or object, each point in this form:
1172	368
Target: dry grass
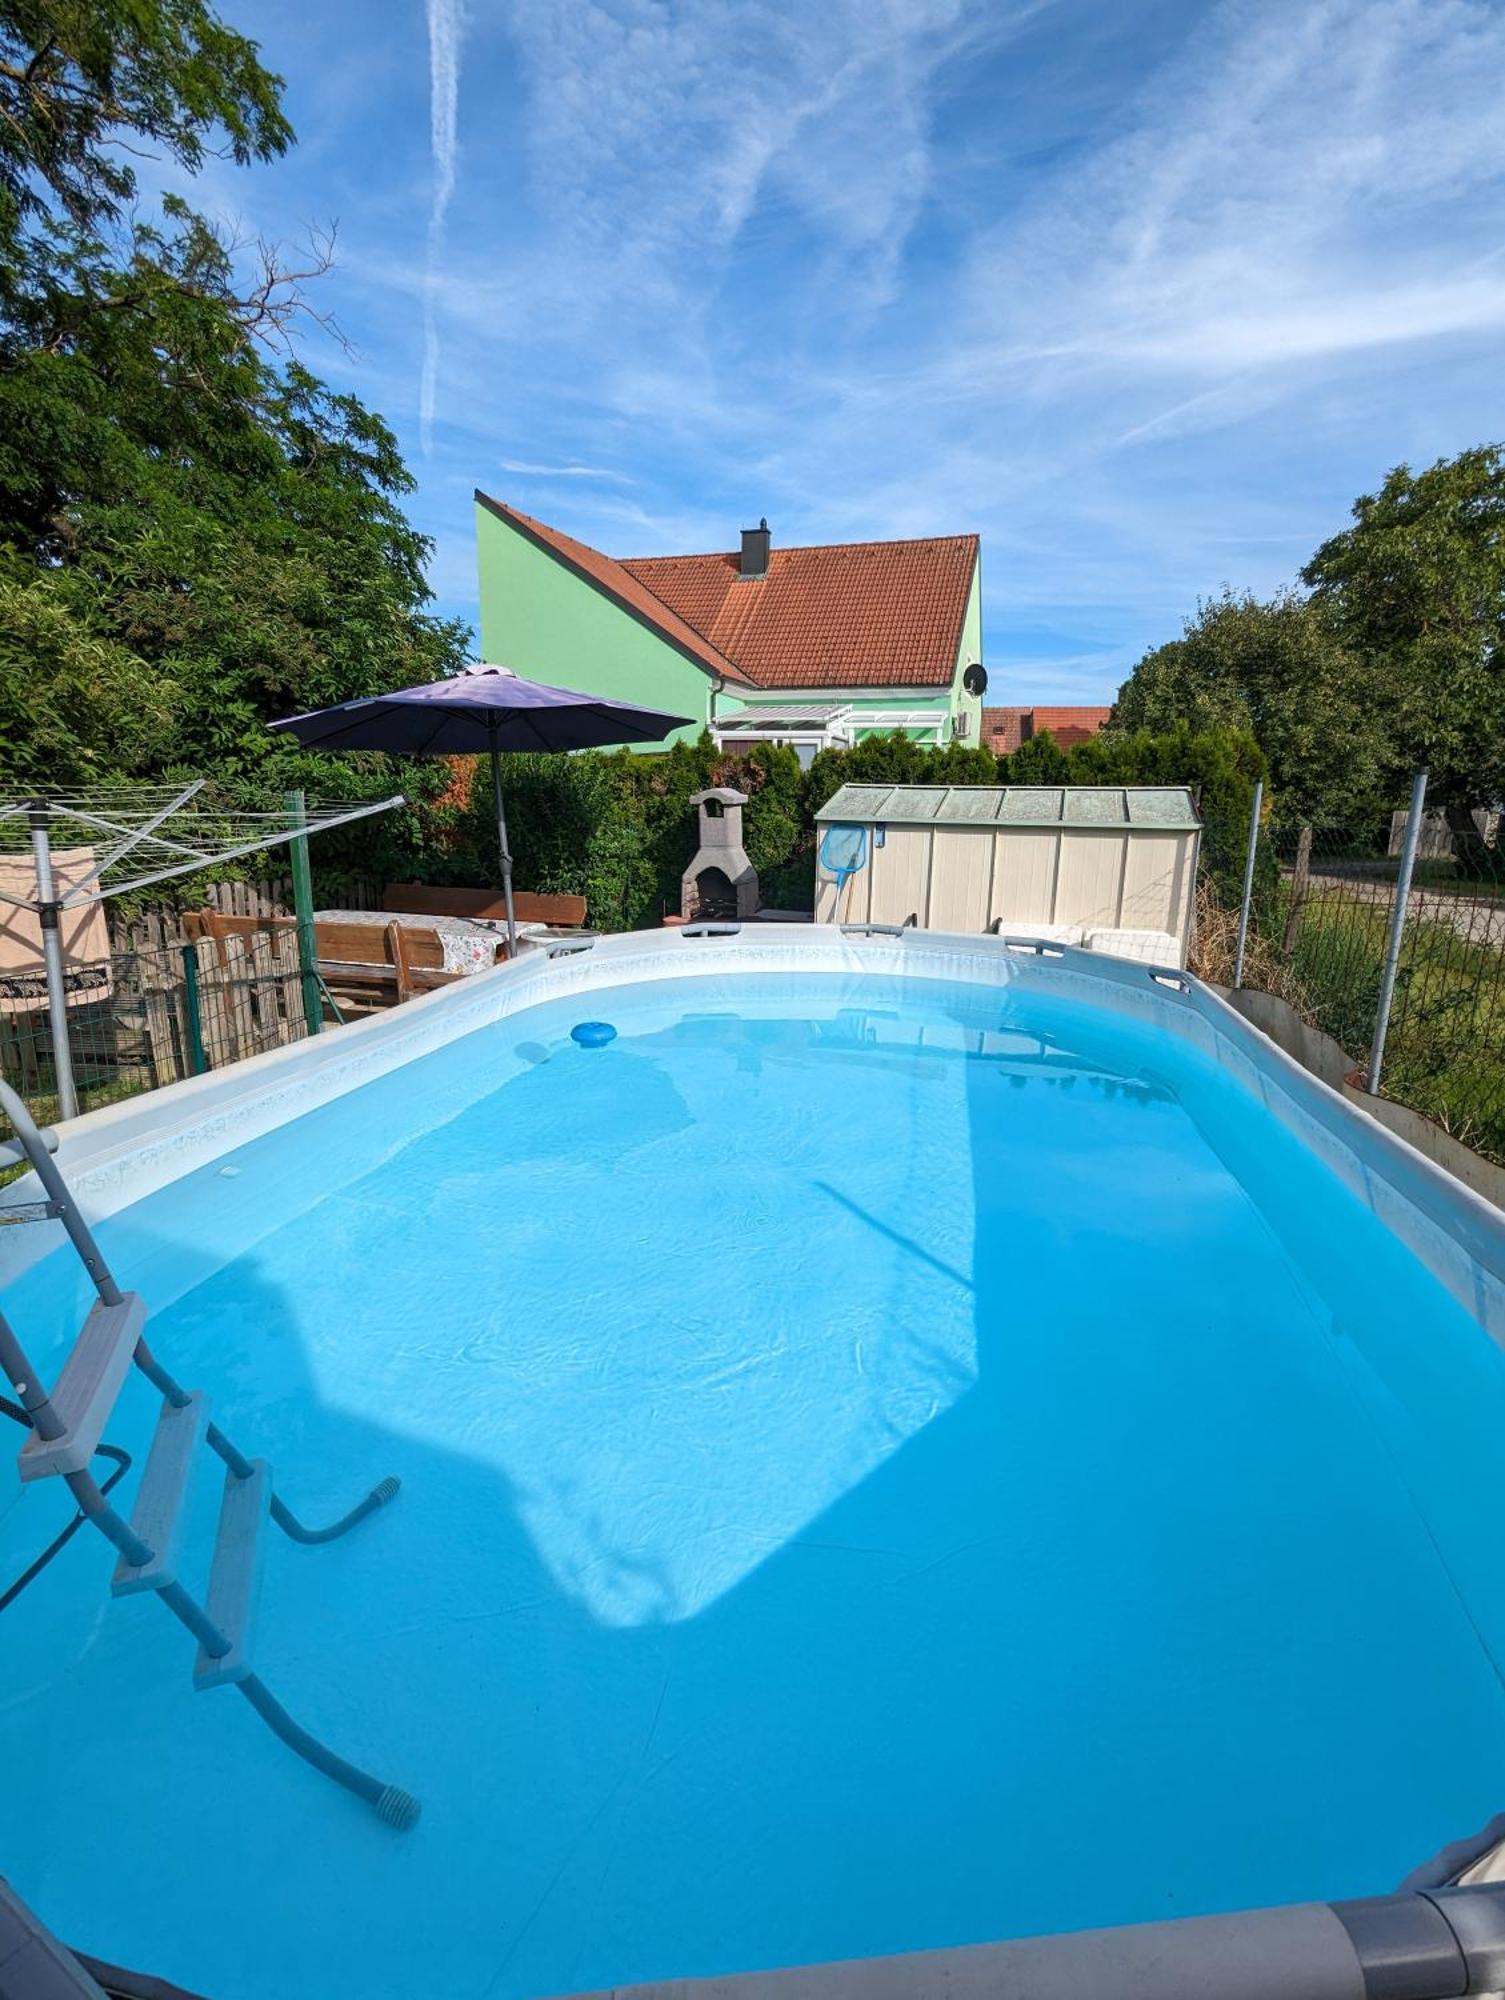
1216	946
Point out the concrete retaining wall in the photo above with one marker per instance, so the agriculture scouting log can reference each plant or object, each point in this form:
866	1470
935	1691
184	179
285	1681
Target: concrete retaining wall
1328	1060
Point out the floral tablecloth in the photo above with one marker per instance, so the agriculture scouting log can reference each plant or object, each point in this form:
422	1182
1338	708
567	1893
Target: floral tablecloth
468	943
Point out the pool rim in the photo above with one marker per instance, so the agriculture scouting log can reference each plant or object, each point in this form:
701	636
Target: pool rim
115	1156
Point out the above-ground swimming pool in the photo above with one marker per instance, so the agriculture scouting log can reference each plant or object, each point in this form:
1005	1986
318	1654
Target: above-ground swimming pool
890	1458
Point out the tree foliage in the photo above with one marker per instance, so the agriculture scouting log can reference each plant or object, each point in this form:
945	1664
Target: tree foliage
1416	589
74	705
1282	670
1393	658
196	535
87	84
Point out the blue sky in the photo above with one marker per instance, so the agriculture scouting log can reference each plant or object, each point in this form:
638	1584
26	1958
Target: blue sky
1145	293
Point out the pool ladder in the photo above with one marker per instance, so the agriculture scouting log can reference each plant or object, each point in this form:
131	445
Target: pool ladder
68	1424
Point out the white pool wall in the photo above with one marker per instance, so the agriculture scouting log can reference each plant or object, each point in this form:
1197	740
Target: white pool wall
117	1155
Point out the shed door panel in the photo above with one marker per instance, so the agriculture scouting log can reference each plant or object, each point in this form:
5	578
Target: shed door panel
1155	882
960	875
1024	879
1091	874
900	871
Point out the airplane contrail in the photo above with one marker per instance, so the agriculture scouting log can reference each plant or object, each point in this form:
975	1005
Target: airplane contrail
445	23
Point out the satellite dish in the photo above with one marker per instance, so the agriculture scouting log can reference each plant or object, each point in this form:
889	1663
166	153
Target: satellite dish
975	678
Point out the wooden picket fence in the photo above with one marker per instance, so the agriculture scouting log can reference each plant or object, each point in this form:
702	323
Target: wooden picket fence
172	1008
234	997
160	928
162	1014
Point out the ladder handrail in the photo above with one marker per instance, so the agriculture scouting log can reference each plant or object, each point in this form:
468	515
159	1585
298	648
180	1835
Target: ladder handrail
391	1803
33	1143
14	1154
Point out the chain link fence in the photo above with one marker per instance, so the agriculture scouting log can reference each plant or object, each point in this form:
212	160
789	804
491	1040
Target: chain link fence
166	1001
1324	910
143	1017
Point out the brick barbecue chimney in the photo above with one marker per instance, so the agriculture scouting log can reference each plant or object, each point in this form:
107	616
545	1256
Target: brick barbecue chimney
720	883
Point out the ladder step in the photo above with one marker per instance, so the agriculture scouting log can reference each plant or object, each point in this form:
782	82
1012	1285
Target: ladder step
86	1390
157	1516
235	1576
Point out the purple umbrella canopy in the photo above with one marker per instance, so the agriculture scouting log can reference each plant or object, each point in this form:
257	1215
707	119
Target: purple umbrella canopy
482	708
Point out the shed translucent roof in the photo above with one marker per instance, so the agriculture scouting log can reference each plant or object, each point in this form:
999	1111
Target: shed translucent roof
1157	808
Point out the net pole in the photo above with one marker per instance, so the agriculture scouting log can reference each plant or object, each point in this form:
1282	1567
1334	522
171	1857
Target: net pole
1397	931
303	910
49	915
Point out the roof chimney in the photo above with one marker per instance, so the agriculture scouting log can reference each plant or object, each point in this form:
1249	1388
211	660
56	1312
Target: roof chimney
755	550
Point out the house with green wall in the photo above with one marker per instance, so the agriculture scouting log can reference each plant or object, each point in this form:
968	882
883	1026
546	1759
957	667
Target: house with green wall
808	646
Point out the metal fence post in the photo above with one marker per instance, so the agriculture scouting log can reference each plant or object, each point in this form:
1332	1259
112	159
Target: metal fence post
52	958
303	909
193	1010
1397	930
1243	915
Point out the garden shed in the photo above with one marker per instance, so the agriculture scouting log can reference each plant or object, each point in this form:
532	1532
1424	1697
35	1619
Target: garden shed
1112	867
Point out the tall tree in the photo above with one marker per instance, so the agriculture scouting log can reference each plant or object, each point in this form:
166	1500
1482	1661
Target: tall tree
1416	589
1284	670
181	503
86	84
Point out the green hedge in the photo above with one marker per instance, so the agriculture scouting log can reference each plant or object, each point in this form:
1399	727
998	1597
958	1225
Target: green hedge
618	828
1222	766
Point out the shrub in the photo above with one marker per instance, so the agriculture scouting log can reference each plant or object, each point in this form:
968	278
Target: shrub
617	827
1220	765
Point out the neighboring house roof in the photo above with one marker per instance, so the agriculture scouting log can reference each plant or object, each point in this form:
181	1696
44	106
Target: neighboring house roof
1004	729
1158	807
1071	725
846	615
616	580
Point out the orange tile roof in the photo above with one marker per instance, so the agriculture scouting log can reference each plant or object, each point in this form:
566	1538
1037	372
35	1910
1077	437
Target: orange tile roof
847	615
1003	729
844	615
1071	725
616	580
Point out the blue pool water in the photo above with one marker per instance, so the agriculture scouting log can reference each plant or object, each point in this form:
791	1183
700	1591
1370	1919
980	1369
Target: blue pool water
885	1464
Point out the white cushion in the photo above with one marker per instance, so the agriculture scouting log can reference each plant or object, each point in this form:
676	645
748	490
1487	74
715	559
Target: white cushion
1149	947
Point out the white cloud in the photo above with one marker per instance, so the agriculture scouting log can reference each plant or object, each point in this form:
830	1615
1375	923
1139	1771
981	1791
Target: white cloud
735	257
1305	183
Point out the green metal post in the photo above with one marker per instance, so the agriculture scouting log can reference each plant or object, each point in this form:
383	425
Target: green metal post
303	909
196	1054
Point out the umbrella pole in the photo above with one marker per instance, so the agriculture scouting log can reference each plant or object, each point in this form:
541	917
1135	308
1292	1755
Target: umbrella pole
501	841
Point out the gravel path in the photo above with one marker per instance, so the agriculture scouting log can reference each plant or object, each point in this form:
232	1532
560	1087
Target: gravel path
1475	919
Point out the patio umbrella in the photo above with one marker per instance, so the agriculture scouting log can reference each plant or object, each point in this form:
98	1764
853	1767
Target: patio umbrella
481	708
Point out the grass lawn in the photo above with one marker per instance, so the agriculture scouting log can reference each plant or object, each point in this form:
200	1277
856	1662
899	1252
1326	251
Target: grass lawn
1445	1053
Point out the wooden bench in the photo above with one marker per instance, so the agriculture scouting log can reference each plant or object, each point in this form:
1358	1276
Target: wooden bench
565	913
388	955
368	959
